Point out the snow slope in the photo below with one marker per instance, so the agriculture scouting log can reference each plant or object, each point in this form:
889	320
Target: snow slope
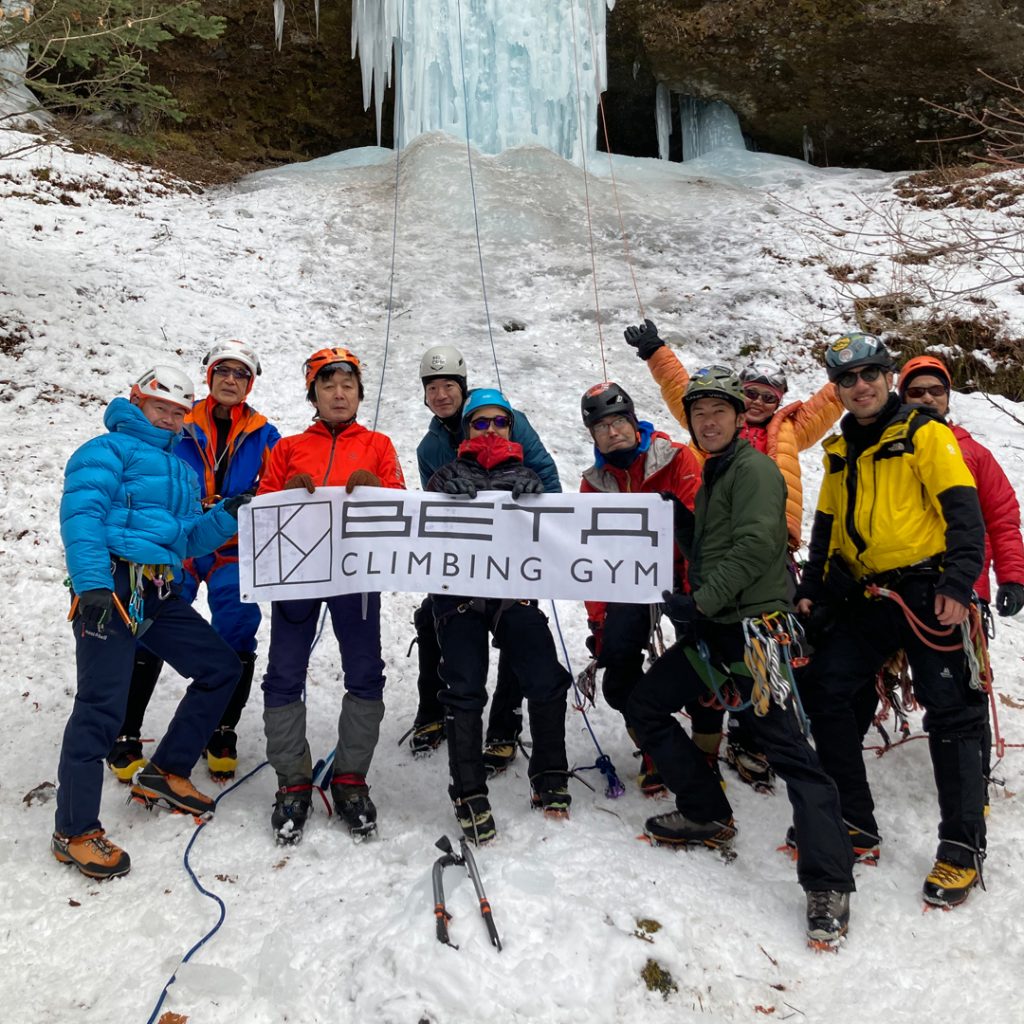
107	266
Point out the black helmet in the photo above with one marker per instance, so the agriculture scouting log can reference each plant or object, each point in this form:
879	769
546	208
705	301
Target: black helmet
605	399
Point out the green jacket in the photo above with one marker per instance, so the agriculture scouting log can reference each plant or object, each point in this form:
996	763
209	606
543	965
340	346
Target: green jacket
736	540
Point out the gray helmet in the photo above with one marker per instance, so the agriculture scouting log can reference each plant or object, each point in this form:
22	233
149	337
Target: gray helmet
443	362
765	372
715	382
605	399
853	350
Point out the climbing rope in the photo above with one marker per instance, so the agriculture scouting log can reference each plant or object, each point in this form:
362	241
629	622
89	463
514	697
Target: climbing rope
221	908
472	189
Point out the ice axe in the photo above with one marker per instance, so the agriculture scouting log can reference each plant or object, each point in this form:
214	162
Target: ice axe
450	858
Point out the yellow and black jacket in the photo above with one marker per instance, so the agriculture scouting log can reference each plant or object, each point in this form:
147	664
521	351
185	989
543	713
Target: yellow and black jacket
896	493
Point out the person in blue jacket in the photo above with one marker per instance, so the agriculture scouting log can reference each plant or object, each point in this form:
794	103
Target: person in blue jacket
443	373
129	516
227	442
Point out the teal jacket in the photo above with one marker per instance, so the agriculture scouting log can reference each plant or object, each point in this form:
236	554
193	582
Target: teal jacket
736	539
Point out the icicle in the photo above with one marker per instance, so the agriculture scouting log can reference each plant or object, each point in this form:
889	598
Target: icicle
808	146
316	11
663	116
278	22
708	125
518	64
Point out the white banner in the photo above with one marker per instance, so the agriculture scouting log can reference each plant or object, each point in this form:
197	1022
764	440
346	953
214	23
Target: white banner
595	547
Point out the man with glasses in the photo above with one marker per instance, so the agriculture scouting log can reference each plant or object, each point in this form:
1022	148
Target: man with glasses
227	442
897	543
631	456
780	431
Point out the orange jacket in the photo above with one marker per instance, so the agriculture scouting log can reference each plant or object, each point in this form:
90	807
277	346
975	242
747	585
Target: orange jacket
790	431
331	458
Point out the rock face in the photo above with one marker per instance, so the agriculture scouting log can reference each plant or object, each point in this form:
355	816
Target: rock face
852	73
849	72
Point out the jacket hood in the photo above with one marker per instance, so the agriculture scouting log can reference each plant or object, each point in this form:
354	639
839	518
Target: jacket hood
122	417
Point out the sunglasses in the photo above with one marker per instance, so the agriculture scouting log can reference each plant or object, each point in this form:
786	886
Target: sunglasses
918	391
240	373
765	397
483	422
869	374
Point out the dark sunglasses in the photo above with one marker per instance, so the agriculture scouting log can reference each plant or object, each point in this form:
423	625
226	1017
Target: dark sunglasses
230	371
483	422
766	397
919	391
850	378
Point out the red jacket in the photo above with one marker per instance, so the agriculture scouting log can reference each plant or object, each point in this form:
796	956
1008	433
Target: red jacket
1001	512
666	465
331	458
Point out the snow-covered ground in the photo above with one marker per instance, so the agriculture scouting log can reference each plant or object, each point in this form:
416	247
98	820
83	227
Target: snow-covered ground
108	268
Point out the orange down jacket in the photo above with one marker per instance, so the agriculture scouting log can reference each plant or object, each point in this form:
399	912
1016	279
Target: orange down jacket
792	429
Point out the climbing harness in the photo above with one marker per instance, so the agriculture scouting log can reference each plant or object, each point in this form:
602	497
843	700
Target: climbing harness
449	858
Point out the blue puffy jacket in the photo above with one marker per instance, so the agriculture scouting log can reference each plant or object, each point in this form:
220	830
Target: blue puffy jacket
439	447
127	495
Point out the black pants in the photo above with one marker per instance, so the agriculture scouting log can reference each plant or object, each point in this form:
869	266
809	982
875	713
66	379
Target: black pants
505	721
626	629
865	633
826	856
520	631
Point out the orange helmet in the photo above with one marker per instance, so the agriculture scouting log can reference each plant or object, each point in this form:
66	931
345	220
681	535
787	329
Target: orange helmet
325	357
924	364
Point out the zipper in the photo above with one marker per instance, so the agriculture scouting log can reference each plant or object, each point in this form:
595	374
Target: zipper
330	461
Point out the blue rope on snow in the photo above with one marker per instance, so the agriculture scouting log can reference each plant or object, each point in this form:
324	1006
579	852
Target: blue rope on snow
613	784
206	892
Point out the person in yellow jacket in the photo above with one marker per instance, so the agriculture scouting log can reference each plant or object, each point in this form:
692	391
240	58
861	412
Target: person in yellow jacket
897	543
779	431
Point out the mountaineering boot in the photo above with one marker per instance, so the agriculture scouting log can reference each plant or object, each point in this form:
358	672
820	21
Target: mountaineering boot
649	778
948	885
92	853
156	788
498	755
550	794
475	819
675	829
750	766
125	757
828	918
291	809
353	805
866	847
426	737
222	755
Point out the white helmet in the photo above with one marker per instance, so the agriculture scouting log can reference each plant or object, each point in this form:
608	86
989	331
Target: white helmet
443	361
169	383
233	349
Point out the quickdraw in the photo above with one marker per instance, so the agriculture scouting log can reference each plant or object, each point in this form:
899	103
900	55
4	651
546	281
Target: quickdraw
773	647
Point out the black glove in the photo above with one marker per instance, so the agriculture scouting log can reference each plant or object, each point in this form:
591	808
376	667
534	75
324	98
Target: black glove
233	504
460	485
1009	599
593	641
644	339
94	607
526	486
680	608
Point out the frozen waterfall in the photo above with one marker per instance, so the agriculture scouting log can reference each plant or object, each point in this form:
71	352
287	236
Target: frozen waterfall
522	65
15	97
708	125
